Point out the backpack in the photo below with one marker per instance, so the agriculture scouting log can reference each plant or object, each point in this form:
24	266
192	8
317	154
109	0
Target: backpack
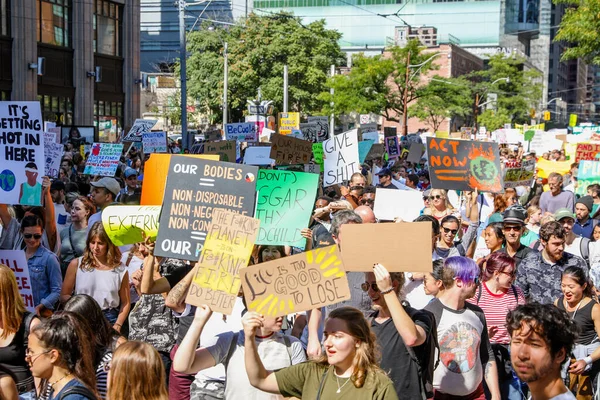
79	390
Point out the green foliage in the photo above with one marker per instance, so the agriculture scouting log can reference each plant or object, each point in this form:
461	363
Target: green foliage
580	26
173	109
493	120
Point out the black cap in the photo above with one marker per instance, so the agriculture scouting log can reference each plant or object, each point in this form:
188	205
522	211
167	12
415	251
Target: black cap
57	185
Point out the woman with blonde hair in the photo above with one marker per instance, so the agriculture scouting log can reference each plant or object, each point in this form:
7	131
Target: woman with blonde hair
100	274
137	373
73	237
348	368
534	217
439	206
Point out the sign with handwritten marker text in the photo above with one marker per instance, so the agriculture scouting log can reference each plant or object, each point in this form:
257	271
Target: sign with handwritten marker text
226	252
104	159
139	127
130	224
517	173
587	174
225	149
16	261
587	151
340	155
287	150
297	283
154	142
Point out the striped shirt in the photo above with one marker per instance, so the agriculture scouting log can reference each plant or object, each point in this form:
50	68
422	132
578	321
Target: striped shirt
495	308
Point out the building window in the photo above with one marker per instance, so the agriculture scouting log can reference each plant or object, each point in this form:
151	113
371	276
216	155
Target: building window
4	17
4	95
108	119
54	22
107	28
57	109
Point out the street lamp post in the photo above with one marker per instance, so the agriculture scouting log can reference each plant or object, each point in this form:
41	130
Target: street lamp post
183	74
477	105
225	78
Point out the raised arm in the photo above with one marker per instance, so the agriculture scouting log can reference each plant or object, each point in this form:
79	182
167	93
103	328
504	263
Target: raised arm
49	214
258	376
176	298
189	358
313	349
150	284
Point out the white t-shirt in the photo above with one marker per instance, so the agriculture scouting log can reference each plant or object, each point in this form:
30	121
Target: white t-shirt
414	293
565	396
63	219
575	247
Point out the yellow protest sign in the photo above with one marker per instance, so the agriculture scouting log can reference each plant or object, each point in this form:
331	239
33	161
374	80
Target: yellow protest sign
130	224
226	251
546	167
288	122
442	135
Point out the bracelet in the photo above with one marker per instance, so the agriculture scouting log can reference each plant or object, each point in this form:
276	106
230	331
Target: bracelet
118	325
390	290
588	360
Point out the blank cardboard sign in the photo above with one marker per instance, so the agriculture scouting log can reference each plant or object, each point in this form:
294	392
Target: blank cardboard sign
401	247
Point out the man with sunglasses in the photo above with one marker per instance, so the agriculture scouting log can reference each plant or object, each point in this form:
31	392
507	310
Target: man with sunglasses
385	179
368	197
513	225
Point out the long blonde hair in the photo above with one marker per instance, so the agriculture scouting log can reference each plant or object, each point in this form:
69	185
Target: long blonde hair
137	373
12	306
443	193
366	358
88	262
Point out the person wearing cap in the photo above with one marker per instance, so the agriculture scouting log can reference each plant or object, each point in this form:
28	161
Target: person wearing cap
584	224
131	183
513	225
556	197
57	191
104	193
385	179
574	244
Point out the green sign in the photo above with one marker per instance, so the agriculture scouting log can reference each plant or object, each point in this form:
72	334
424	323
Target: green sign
284	206
587	174
317	149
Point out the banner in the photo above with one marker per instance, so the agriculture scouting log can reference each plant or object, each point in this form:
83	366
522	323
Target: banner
288	122
194	189
241	132
104	159
302	282
287	150
17	262
322	124
464	165
130	224
517	173
545	167
22	161
391	204
587	151
225	149
587	174
284	206
258	155
392	146
139	127
340	154
154	142
226	252
363	149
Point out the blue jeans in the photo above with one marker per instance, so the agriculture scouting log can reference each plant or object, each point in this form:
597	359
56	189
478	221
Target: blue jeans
28	396
111	315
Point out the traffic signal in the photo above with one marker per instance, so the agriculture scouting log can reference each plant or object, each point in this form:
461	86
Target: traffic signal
546	115
532	113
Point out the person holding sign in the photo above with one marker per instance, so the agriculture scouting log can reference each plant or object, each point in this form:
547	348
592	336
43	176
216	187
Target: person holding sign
450	225
348	369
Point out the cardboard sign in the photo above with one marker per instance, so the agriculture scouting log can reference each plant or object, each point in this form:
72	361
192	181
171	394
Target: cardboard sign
130	224
154	142
391	204
241	132
155	176
287	150
322	123
518	173
225	149
377	151
587	174
17	262
104	159
297	283
139	127
288	122
363	149
464	165
194	189
587	151
259	155
284	206
22	161
392	146
340	155
415	153
366	244
229	242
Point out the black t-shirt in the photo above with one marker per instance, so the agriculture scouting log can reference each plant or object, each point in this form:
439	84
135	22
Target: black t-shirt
520	254
396	361
184	322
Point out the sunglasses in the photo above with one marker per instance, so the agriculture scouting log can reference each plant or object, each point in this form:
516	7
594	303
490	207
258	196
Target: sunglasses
32	235
365	287
365	201
447	230
436	197
512	228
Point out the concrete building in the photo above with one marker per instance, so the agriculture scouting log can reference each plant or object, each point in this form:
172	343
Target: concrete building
87	54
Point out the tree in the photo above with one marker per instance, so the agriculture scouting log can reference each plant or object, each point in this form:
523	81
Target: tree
580	26
258	49
493	120
378	84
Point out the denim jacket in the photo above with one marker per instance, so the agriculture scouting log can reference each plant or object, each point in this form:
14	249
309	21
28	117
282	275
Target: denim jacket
46	278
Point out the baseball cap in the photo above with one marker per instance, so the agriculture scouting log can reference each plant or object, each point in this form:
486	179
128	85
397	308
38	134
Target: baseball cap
384	171
109	184
57	185
514	216
130	172
563	213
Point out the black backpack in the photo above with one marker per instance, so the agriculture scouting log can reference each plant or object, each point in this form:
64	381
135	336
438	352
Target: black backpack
79	390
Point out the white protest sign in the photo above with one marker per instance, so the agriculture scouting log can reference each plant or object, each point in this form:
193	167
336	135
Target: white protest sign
543	142
154	142
139	126
392	203
340	155
53	155
104	159
258	155
16	261
21	153
241	132
265	135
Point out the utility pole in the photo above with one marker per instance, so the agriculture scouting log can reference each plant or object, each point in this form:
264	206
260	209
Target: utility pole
475	112
183	75
225	84
285	88
332	118
405	112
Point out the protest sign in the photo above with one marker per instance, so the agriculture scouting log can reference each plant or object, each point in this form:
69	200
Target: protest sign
77	135
154	142
310	131
49	137
573	120
317	149
259	155
288	122
340	154
377	151
229	242
302	282
225	149
284	205
139	127
373	135
391	204
323	124
289	150
389	131
130	224
587	151
104	159
415	153
22	159
392	146
543	142
155	176
241	132
50	127
53	153
194	188
213	135
517	173
384	243
312	168
363	149
545	167
17	262
265	135
464	165
587	174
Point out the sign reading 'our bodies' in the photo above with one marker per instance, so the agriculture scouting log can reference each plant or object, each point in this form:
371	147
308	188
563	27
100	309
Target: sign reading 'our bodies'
284	206
194	188
340	155
22	160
